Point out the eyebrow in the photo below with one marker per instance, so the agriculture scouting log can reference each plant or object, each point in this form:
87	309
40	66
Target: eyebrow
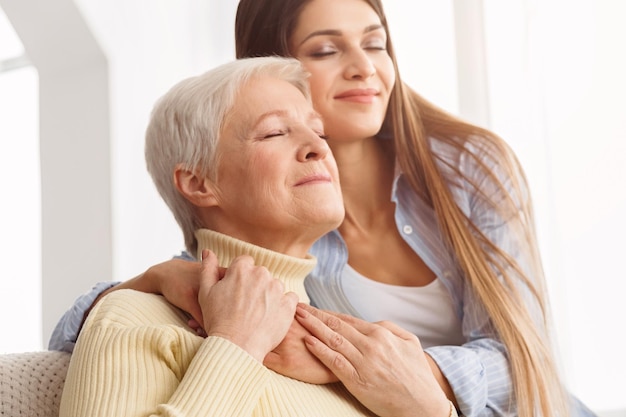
336	32
313	115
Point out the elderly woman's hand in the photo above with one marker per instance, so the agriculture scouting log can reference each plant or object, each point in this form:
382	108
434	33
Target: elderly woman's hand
248	306
381	364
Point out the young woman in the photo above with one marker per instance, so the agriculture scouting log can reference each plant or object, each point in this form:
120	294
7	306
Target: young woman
438	235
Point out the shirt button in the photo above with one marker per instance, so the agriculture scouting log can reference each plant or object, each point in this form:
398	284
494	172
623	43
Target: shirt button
407	229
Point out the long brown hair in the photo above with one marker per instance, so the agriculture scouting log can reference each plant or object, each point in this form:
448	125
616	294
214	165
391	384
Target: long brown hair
264	27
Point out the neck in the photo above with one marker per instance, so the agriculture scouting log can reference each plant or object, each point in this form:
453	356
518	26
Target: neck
366	174
288	269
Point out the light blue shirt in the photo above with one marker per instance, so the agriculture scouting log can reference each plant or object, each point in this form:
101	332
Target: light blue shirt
477	370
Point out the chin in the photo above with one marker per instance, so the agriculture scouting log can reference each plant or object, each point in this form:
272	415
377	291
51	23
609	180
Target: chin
332	218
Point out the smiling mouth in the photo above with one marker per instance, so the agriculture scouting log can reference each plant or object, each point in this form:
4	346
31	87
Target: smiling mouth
314	179
357	93
365	96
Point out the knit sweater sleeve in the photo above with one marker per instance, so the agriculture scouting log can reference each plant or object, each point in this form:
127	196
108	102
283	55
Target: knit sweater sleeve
136	357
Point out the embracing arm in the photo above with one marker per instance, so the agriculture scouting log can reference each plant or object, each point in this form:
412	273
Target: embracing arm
495	201
137	357
176	279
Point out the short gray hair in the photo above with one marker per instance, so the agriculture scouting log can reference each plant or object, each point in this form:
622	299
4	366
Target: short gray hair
186	123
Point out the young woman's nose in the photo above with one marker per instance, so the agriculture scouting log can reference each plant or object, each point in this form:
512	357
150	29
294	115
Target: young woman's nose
359	65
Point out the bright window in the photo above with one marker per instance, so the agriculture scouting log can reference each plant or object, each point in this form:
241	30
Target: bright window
20	211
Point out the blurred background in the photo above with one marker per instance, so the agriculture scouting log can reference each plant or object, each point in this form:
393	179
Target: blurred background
78	80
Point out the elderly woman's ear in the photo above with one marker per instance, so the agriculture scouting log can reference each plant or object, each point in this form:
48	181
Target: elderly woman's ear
199	190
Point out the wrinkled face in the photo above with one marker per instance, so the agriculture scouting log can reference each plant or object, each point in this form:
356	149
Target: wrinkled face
277	182
343	45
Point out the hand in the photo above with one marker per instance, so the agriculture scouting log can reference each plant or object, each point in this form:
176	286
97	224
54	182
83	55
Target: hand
178	281
381	364
291	358
248	306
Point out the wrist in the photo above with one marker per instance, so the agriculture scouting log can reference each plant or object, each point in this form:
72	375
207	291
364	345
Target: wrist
243	341
146	282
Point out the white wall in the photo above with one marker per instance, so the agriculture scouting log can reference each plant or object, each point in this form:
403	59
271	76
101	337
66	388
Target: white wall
74	150
20	211
150	46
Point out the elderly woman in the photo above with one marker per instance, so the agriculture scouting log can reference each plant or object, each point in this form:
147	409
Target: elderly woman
239	156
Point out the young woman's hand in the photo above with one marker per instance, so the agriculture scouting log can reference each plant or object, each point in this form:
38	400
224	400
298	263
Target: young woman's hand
177	280
248	306
291	358
381	364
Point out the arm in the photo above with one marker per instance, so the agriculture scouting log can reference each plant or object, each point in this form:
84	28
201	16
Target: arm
176	279
136	358
479	370
137	350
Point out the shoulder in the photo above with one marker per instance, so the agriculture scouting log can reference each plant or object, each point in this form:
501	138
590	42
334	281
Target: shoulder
481	166
130	308
475	154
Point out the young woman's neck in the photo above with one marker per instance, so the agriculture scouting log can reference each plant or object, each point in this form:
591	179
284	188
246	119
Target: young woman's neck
366	171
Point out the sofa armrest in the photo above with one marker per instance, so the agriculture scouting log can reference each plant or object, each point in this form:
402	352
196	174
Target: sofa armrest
31	383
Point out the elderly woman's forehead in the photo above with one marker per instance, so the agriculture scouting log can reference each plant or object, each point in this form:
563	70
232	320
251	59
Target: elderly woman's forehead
259	94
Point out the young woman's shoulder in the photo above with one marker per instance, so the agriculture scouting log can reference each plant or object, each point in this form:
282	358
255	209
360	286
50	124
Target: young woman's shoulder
481	170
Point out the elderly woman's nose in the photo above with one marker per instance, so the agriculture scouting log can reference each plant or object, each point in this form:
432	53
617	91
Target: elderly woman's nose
313	148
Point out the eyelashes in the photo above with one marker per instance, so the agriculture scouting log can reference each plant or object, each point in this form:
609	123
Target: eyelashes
275	134
287	131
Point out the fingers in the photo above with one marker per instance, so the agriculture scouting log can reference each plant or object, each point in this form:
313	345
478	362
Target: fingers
331	343
397	330
364	327
290	299
329	328
196	327
210	272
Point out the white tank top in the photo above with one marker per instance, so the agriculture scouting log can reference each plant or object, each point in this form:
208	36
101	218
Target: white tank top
425	311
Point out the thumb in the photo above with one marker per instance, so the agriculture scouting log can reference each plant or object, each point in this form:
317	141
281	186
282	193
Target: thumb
210	272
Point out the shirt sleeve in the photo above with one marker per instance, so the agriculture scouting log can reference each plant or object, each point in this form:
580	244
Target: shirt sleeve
64	335
135	358
479	370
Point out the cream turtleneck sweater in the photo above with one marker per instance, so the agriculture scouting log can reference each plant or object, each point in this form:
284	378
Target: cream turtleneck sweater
136	356
291	271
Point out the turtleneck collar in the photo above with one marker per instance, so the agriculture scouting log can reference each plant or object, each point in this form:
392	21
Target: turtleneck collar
290	270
